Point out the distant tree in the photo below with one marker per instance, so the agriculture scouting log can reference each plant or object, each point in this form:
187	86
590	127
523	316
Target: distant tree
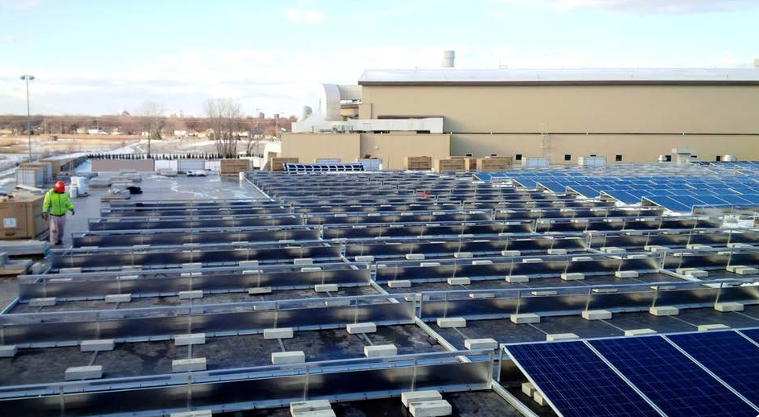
153	123
224	118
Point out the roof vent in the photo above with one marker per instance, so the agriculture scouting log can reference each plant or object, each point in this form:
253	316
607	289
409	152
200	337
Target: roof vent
448	58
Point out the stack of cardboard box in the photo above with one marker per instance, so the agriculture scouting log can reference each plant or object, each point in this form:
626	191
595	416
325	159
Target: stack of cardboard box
494	163
417	163
234	166
450	165
278	163
21	216
470	163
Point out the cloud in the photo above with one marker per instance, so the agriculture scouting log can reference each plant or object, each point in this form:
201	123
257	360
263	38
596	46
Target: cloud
304	16
19	4
646	6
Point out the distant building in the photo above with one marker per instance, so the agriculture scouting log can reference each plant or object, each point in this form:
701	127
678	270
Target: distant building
261	115
625	115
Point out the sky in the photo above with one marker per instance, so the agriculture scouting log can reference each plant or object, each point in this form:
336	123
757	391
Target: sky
104	56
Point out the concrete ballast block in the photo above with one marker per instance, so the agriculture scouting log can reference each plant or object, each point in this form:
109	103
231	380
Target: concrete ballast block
511	253
42	302
596	315
557	251
746	270
190	339
380	350
582	258
450	322
539	399
188	365
517	279
303	261
359	328
8	351
190	295
300	407
573	276
410	397
192	265
528	389
325	287
525	318
463	255
365	258
431	408
259	290
694	272
482	262
532	260
415	256
76	373
118	298
612	249
660	311
626	274
196	413
248	263
459	281
709	327
554	337
639	332
99	345
279	333
729	307
473	344
281	358
401	283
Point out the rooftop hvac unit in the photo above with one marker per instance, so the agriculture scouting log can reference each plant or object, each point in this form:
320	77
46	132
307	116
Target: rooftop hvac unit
535	162
591	161
729	158
662	158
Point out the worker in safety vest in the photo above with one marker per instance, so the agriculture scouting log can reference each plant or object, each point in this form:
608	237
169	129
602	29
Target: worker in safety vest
55	206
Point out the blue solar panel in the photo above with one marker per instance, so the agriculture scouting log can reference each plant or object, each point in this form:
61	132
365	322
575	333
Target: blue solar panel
577	382
673	382
752	334
729	356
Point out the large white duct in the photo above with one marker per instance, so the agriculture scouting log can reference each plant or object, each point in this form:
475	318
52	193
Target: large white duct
448	59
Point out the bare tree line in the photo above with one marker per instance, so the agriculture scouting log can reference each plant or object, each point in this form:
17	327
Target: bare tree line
129	124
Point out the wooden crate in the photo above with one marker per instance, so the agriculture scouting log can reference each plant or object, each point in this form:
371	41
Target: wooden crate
494	163
233	166
22	217
448	165
417	163
278	163
470	163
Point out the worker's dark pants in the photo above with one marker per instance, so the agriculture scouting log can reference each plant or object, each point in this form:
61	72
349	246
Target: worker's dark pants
57	225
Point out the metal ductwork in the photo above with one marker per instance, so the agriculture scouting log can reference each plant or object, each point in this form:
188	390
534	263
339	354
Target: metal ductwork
449	57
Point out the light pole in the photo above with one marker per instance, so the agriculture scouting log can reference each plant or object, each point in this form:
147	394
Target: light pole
27	78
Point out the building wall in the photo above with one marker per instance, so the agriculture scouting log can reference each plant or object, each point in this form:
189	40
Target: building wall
633	148
573	109
311	146
393	147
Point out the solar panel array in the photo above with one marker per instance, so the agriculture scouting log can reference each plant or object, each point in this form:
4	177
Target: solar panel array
697	186
710	374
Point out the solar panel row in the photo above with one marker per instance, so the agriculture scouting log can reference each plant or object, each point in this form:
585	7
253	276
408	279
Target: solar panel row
711	374
677	193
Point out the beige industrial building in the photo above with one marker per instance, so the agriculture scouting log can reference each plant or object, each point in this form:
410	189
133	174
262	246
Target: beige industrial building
625	115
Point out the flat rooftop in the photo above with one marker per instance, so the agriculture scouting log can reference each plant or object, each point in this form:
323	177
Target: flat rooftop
439	281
